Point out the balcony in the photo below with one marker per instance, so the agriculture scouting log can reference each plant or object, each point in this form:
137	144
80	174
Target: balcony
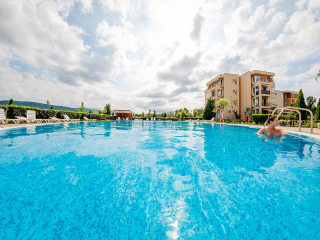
265	92
252	95
265	104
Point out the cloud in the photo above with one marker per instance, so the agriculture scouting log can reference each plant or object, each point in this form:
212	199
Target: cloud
198	21
275	2
299	4
181	71
314	4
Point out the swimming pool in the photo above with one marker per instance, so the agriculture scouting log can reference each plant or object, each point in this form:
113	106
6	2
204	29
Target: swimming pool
157	180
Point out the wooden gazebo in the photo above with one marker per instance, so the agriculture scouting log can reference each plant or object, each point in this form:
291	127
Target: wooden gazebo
123	114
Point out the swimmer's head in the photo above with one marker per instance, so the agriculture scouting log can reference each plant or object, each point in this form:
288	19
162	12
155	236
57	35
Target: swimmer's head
272	121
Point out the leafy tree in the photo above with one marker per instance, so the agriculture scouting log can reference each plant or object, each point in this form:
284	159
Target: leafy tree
149	112
76	110
48	102
310	103
154	113
178	115
82	108
317	76
207	112
142	114
223	102
11	101
183	114
51	107
100	111
195	113
90	111
165	115
317	114
107	109
302	104
95	112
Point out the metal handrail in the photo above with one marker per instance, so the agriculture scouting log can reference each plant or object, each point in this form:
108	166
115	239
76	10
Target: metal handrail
296	109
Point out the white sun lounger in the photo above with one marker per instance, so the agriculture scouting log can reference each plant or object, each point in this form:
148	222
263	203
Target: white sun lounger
127	119
89	120
118	119
23	119
66	117
4	120
31	115
54	119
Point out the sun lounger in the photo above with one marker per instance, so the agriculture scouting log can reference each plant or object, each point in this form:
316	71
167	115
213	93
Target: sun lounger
4	120
23	119
318	125
31	115
66	117
88	120
118	119
54	119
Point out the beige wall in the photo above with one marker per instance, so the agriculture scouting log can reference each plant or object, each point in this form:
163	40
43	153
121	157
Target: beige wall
246	91
279	99
228	87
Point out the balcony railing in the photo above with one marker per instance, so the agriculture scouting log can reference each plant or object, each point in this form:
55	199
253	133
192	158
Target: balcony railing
265	92
265	104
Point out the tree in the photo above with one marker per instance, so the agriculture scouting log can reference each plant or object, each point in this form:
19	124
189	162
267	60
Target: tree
100	111
310	103
149	112
154	113
178	115
95	112
107	109
48	102
90	111
165	115
207	112
317	76
223	102
82	108
302	104
317	114
142	114
195	113
11	101
51	107
183	114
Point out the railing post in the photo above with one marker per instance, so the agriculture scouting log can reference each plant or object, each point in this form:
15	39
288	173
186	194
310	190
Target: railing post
299	121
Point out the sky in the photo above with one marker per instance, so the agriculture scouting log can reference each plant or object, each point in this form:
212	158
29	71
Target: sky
157	54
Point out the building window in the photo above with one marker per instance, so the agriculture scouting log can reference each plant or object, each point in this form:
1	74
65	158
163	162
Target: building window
273	89
292	101
273	101
257	102
257	78
266	79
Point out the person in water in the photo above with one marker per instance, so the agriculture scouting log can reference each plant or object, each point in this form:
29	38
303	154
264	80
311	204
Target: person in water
271	130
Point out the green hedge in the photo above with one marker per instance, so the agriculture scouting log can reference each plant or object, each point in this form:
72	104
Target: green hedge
12	111
259	118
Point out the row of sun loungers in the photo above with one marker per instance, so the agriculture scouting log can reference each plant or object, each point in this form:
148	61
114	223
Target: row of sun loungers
31	118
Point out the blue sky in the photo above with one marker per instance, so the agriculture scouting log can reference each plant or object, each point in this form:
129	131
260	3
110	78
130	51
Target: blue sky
152	54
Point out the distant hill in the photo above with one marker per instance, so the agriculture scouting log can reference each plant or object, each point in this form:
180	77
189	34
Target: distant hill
43	105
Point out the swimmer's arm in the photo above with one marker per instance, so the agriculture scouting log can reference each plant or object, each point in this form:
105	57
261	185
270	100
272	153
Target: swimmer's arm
262	131
283	133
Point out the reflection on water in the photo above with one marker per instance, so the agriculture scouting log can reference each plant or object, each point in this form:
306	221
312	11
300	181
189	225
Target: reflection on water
157	180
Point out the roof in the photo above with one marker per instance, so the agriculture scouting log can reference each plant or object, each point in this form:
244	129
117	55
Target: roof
123	111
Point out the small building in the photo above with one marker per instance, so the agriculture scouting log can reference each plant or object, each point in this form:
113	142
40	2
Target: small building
123	114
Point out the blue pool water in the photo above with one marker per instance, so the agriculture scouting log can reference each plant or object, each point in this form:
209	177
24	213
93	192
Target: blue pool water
157	180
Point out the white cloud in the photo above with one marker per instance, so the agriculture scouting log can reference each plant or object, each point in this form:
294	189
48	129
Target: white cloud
275	2
314	3
300	4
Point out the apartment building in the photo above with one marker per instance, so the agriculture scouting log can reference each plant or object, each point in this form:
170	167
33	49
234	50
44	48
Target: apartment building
253	89
286	97
225	86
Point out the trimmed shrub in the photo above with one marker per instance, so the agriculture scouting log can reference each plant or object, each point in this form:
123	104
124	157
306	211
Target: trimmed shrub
12	111
283	122
260	118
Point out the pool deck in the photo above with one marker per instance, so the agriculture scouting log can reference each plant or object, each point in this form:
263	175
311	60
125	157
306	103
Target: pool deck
304	131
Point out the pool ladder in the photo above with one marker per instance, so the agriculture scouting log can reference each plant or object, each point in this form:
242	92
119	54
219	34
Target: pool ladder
296	109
